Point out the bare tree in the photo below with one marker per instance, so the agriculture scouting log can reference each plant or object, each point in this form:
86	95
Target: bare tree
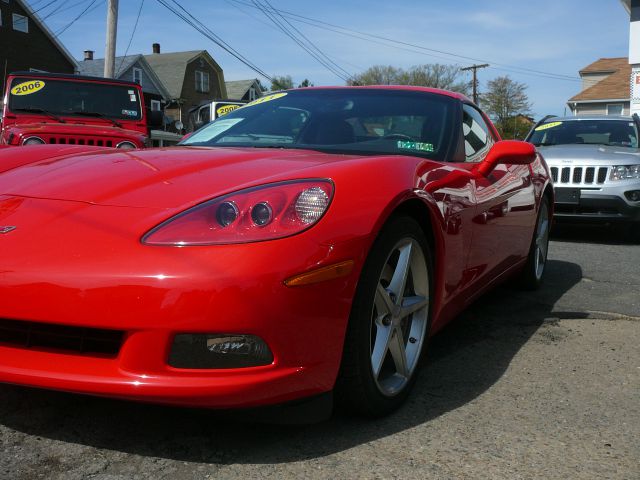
435	75
505	98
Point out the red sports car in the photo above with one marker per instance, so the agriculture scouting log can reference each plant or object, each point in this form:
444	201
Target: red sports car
307	243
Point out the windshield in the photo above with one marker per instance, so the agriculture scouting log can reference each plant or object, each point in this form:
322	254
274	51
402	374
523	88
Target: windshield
357	121
66	97
620	133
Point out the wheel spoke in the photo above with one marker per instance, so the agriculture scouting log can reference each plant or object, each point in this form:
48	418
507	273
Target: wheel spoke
398	352
412	304
383	301
380	348
399	279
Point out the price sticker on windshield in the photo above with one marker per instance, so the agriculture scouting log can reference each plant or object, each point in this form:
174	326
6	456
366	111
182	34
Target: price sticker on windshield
27	88
266	98
226	109
548	125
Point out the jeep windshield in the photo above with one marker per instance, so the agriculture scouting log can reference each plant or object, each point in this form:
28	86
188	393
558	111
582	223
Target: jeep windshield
63	98
619	133
351	121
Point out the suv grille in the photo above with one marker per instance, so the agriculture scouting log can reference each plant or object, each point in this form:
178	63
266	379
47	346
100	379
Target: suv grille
579	175
44	336
69	140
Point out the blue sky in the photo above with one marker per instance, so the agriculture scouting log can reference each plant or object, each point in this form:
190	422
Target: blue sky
557	36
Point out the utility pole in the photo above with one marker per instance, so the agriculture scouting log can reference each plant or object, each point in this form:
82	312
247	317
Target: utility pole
110	49
475	79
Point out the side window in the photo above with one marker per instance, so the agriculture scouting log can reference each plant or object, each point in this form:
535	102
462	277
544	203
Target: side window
477	136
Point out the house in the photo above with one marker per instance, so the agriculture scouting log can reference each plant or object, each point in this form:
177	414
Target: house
132	68
247	90
190	78
605	88
26	43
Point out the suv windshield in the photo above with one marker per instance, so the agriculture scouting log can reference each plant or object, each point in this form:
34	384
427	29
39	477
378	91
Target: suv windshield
52	96
619	133
357	121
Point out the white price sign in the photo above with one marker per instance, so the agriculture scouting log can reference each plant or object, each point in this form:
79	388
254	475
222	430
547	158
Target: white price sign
635	90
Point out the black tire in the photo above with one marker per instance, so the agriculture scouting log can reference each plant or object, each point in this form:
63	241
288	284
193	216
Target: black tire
358	389
533	272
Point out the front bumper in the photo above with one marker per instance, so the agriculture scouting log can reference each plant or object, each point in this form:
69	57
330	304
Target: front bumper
607	205
154	293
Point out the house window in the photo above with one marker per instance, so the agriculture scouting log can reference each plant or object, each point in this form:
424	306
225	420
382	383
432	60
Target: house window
252	94
20	23
202	81
615	108
137	75
155	106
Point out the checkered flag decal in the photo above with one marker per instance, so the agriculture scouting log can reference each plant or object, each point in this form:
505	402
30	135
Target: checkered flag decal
475	138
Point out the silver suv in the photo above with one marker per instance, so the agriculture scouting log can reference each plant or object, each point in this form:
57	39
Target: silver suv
595	165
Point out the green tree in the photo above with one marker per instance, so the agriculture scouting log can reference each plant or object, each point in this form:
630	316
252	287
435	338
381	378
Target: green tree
305	83
504	101
283	82
435	75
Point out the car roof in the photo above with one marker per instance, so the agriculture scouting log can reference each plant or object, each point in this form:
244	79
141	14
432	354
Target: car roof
409	88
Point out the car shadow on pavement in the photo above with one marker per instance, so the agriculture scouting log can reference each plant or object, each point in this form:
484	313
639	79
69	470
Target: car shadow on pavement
465	359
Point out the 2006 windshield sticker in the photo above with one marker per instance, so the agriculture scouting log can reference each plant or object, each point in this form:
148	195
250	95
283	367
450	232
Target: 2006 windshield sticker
418	146
548	125
27	88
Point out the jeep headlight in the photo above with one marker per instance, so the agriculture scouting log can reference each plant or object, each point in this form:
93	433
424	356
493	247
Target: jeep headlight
625	172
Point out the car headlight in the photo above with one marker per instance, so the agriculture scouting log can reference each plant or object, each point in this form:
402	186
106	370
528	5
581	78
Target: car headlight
126	145
625	172
256	214
33	141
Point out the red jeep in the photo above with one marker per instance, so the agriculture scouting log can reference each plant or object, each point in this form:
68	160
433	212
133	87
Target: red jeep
49	108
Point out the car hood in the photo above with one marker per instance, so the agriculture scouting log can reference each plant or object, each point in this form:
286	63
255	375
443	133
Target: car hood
589	155
162	178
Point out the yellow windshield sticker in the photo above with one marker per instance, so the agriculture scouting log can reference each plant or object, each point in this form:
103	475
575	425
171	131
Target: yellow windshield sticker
226	109
266	98
27	88
548	125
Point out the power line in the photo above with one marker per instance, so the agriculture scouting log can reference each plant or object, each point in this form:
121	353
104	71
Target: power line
421	49
204	30
135	26
78	17
274	15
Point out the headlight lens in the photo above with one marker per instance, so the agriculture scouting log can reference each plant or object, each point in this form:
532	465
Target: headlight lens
625	172
256	214
33	141
126	145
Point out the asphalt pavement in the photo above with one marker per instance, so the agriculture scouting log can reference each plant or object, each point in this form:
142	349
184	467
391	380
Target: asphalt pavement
522	385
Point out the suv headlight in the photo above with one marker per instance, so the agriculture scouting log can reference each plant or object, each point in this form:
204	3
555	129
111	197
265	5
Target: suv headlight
625	172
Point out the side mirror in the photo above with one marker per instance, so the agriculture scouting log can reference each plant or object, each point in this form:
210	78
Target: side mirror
514	152
155	118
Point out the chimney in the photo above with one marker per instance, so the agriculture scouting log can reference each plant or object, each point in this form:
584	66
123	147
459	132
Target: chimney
156	48
88	55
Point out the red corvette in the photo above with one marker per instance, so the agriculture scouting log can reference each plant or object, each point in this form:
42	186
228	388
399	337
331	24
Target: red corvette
307	243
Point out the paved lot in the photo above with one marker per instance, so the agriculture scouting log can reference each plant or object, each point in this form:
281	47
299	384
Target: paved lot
522	386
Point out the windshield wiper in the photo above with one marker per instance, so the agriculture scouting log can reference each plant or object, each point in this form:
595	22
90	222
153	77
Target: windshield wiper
40	110
99	115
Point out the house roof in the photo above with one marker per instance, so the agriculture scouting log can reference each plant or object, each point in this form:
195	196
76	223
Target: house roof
604	65
613	87
36	19
95	68
236	89
171	67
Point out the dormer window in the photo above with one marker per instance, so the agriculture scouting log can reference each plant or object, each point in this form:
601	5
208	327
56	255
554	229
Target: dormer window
137	76
202	81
